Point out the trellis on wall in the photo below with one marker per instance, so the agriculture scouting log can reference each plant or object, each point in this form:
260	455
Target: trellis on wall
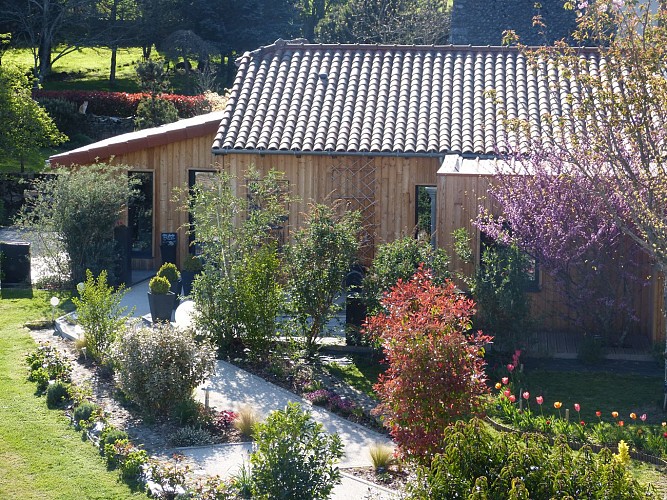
353	181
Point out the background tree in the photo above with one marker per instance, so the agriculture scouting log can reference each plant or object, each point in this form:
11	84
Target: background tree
25	126
386	21
613	137
153	111
74	213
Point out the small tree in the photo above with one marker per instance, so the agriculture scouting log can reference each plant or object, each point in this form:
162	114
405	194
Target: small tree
25	127
436	368
160	367
294	457
238	295
100	314
74	213
318	261
153	111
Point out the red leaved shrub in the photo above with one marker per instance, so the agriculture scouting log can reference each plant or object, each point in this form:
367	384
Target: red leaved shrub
436	366
122	103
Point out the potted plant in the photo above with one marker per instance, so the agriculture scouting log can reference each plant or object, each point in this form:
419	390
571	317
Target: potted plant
170	271
192	266
160	299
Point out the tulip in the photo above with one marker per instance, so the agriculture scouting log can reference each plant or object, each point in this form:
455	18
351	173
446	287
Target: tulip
512	398
577	408
614	414
539	400
507	393
643	417
598	414
498	385
582	423
621	423
526	395
557	405
665	435
510	368
633	416
664	424
505	380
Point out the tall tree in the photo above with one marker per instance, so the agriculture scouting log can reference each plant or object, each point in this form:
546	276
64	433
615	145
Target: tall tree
116	26
25	127
387	21
613	134
50	28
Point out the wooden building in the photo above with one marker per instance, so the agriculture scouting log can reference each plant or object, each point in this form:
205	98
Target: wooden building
372	125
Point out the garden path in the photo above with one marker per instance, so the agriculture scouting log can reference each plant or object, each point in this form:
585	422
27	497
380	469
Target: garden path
232	387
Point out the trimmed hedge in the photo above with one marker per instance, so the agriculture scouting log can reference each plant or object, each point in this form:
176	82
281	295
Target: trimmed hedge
122	103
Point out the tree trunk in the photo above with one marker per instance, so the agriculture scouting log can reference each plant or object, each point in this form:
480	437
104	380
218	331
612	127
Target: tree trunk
112	69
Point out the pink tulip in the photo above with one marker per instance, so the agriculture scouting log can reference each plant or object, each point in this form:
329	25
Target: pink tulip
510	368
539	400
643	417
577	407
512	398
505	380
526	395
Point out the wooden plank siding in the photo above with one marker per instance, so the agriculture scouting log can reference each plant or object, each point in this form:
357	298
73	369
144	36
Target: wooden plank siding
460	197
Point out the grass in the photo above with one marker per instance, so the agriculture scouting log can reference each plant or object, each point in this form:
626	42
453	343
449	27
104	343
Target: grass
607	392
41	456
361	374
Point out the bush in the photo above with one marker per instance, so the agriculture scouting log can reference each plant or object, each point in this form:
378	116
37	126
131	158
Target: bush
318	262
159	367
436	368
84	412
400	259
46	363
79	208
109	436
99	314
294	457
153	112
159	285
57	394
170	271
476	463
65	115
190	436
122	103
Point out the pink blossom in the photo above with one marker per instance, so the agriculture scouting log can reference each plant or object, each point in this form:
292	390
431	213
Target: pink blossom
577	407
507	393
510	368
526	395
505	380
539	400
512	398
643	417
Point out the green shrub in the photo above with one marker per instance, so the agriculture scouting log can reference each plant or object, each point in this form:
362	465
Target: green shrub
57	394
79	208
65	114
159	285
294	457
131	468
318	262
400	259
170	271
47	363
476	463
109	436
161	366
190	436
100	314
153	112
85	411
188	412
193	264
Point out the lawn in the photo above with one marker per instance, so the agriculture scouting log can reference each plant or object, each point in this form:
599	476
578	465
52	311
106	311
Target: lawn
361	374
41	456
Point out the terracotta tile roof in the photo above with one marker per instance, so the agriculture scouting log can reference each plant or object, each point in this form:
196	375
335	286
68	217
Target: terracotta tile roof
198	126
298	97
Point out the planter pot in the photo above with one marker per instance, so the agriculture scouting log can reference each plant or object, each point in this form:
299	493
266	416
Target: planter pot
176	290
188	277
161	306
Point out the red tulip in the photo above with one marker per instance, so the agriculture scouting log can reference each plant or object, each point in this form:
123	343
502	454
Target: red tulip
512	398
507	393
621	423
598	413
582	423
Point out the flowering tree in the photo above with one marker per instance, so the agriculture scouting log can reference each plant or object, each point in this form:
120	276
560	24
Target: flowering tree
611	138
436	368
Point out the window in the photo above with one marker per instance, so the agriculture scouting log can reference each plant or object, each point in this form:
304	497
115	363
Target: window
140	215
